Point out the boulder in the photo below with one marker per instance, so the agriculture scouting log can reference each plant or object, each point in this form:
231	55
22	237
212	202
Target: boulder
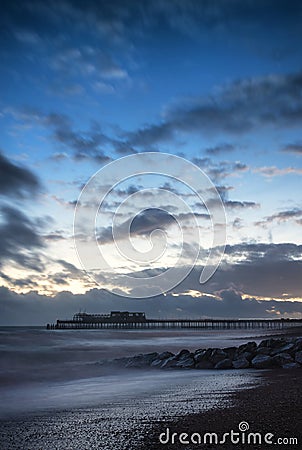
224	364
241	363
262	362
162	359
204	364
151	355
249	347
298	344
199	350
182	353
164	363
272	342
263	343
283	349
208	352
298	357
135	364
282	358
263	351
142	360
200	355
117	362
186	362
230	351
169	363
165	355
217	355
291	365
247	355
157	363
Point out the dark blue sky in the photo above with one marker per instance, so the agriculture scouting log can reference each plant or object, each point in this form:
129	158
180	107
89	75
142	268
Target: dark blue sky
219	83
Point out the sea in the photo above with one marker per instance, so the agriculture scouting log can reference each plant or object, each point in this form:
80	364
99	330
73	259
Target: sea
56	393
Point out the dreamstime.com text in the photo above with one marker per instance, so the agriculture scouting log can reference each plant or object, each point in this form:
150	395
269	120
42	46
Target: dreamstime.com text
243	436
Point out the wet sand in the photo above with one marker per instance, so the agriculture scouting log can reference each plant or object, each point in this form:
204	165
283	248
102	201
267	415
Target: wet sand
274	407
124	422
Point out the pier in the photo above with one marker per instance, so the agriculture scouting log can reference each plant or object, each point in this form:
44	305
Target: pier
137	320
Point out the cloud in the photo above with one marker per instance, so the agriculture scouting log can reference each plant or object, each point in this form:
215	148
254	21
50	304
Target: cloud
262	277
118	26
28	283
65	203
132	189
273	171
282	216
117	20
88	61
49	278
256	270
34	309
223	191
82	144
261	251
66	274
70	270
151	135
218	149
103	88
293	148
34	30
233	204
16	180
141	225
54	236
265	270
220	170
149	220
237	223
191	17
236	108
239	289
20	239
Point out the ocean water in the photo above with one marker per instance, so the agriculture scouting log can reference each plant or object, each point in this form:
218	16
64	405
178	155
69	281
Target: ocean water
51	385
34	354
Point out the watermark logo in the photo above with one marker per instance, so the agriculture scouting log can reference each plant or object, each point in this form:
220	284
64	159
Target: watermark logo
137	225
241	437
243	426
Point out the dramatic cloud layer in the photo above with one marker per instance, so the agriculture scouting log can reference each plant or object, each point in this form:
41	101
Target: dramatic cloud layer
83	83
19	239
16	180
261	270
33	309
237	108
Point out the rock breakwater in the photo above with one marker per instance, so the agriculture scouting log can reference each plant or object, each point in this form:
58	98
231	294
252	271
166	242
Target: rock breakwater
268	354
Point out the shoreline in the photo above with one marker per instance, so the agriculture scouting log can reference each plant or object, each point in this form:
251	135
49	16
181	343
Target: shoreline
273	406
270	406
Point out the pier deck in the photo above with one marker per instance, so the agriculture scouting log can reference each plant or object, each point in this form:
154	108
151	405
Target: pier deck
126	320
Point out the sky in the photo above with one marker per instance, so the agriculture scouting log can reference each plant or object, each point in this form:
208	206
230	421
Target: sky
186	92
